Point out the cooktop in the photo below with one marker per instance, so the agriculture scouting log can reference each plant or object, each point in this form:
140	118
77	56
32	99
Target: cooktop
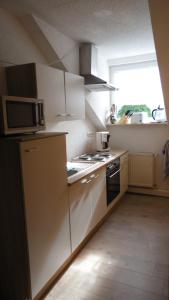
98	156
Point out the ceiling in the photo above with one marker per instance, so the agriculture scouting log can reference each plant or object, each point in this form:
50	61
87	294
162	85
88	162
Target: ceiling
119	28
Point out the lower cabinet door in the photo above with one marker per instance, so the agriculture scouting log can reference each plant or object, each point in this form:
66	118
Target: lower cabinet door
80	198
99	200
46	206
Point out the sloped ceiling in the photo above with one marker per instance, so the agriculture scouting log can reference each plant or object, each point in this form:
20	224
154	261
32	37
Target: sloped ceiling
119	28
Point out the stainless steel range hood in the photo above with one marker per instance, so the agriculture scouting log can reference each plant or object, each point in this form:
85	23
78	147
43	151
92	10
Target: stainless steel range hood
88	69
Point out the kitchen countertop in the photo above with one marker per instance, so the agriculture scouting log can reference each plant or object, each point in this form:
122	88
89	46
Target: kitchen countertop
96	165
31	136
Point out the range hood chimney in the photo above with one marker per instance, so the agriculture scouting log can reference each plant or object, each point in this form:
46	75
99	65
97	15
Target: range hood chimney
88	69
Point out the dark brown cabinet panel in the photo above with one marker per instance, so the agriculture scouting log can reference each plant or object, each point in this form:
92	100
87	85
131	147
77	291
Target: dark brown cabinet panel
14	262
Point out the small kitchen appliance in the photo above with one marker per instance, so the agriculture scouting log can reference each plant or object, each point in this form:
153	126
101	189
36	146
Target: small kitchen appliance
139	118
159	114
21	115
102	141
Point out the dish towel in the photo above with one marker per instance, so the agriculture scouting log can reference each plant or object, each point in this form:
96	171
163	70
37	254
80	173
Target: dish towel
166	158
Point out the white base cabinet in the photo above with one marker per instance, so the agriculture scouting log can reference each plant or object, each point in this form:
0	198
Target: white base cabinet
87	199
34	213
80	211
46	206
123	173
99	197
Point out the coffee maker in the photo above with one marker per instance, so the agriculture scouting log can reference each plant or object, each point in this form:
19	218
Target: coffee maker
102	141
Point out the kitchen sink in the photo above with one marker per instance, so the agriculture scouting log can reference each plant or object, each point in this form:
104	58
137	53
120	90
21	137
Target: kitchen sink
75	167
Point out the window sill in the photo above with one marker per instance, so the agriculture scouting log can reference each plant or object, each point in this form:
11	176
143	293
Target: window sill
138	124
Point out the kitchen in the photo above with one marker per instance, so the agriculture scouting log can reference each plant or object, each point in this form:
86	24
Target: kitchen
25	51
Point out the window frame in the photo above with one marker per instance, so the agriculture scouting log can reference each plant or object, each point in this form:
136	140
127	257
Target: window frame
127	66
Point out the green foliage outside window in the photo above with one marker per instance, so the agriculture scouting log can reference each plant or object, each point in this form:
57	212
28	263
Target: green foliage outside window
134	108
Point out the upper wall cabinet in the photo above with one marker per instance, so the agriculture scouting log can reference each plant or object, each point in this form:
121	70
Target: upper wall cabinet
50	87
62	92
75	97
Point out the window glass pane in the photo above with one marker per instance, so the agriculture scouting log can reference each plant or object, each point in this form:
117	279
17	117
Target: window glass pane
138	84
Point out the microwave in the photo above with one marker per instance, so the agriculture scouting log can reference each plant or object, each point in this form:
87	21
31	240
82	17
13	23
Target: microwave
19	115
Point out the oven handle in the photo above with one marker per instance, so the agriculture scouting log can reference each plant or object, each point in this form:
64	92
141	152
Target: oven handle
114	174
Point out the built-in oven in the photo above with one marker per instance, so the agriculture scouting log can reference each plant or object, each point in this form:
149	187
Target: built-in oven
113	180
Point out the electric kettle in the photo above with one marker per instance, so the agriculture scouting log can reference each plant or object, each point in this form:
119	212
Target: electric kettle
159	114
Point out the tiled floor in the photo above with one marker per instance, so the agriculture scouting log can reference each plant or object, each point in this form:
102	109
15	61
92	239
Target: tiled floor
127	259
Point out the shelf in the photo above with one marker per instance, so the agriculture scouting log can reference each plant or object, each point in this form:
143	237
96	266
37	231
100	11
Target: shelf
138	125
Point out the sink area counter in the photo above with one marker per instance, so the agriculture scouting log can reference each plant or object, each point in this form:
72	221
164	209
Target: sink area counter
81	168
77	170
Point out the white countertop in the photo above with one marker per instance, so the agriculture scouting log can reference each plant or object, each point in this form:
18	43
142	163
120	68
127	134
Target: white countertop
95	166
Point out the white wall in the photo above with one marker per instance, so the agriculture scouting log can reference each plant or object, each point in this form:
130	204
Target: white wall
66	49
151	138
143	139
80	138
18	47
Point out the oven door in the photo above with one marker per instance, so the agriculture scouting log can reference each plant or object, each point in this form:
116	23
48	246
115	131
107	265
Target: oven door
113	185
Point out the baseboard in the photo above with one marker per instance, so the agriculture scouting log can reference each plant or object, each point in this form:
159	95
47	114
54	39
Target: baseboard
146	191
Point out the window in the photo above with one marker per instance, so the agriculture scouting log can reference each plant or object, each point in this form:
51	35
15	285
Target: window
139	85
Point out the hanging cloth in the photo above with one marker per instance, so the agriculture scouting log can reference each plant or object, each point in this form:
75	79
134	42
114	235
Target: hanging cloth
166	158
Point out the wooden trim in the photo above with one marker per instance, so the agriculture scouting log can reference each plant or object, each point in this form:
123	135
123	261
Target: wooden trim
65	266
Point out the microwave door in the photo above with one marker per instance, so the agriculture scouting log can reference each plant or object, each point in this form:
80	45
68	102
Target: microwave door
20	115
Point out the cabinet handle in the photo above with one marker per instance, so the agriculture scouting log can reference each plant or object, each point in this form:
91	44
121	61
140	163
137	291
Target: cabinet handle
88	181
33	149
61	115
114	173
70	115
94	176
83	181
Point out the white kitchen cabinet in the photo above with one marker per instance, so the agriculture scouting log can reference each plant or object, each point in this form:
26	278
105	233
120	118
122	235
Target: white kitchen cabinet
50	88
75	96
80	201
34	213
123	173
87	199
46	206
62	92
99	198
